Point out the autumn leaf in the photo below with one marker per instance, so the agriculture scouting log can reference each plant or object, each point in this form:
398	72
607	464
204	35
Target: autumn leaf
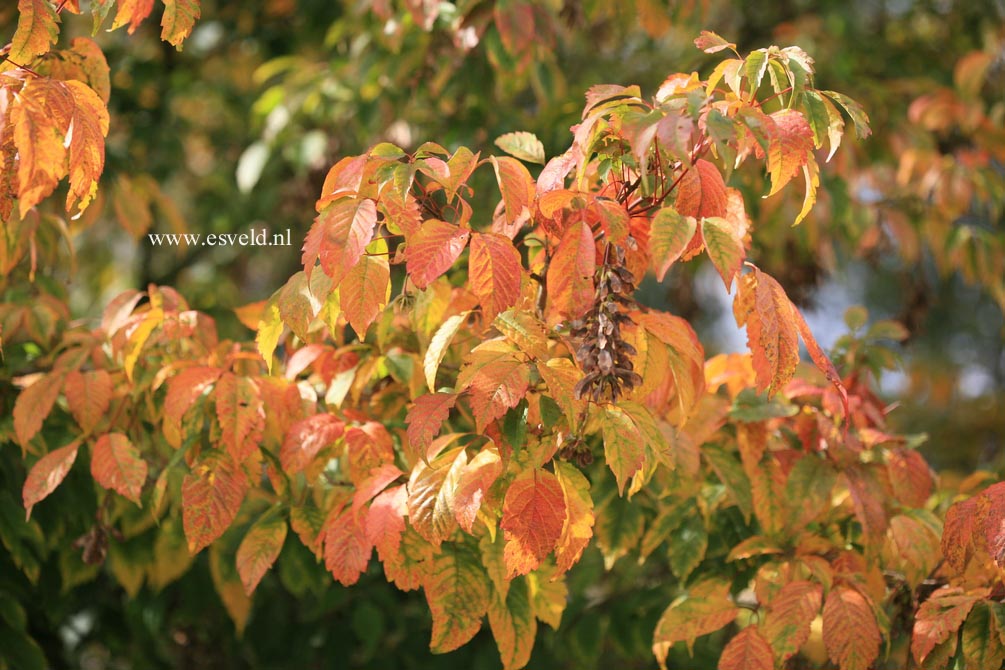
761	305
703	609
433	250
711	43
910	476
940	617
533	515
40	118
88	395
183	389
37	30
47	473
178	20
347	548
577	527
133	12
624	445
516	185
524	330
670	234
724	247
497	379
513	624
431	491
86	153
366	289
851	634
790	615
791	146
306	438
241	414
477	477
959	533
748	650
522	145
34	404
701	192
570	274
116	465
260	548
494	271
339	236
457	591
385	521
211	495
425	419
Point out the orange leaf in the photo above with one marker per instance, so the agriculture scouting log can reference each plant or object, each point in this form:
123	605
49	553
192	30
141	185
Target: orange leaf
850	631
533	515
670	234
476	479
724	247
411	564
89	124
132	12
259	549
48	473
939	617
88	395
457	590
494	270
425	419
761	305
363	292
747	651
577	528
385	521
817	354
959	532
368	447
178	20
910	476
516	185
34	404
701	192
347	548
433	250
497	379
704	609
183	390
41	118
570	274
116	465
37	30
338	237
306	438
241	414
211	495
791	146
790	614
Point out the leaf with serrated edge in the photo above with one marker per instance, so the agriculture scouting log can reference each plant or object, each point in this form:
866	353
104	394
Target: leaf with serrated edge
306	438
338	237
515	184
623	445
494	270
791	146
116	465
514	625
37	30
577	527
533	515
260	548
88	395
570	274
939	617
851	634
366	288
457	591
211	495
748	650
522	145
475	481
425	419
431	493
704	609
433	250
790	613
723	247
47	473
34	404
669	236
347	549
178	20
438	347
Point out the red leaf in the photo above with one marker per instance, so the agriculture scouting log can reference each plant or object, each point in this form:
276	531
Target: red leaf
577	527
516	185
533	515
211	495
851	633
47	474
433	250
34	404
259	549
116	465
457	590
570	274
763	307
241	414
476	479
306	438
959	531
670	234
385	521
910	476
497	379
374	484
747	651
425	419
132	12
818	356
790	615
88	395
939	617
183	390
344	178
368	446
702	191
338	237
867	496
347	548
363	292
991	521
494	270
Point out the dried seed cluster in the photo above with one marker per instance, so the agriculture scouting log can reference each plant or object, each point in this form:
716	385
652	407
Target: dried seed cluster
603	354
